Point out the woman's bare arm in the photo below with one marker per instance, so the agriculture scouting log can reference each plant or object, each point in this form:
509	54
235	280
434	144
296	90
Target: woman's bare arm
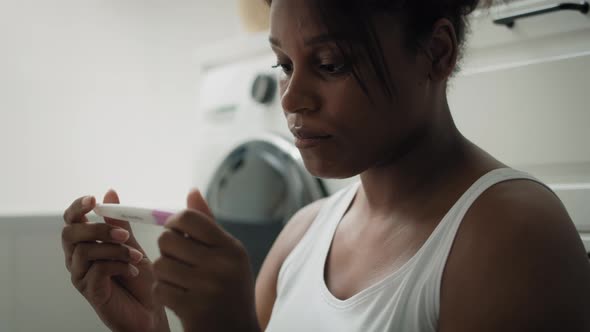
517	264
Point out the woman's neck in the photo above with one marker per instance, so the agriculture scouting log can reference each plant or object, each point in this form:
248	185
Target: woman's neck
416	173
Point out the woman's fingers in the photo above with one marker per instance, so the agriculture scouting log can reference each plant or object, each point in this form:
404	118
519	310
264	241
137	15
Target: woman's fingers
112	197
76	212
174	272
74	234
200	227
97	284
169	295
94	232
86	254
174	244
194	239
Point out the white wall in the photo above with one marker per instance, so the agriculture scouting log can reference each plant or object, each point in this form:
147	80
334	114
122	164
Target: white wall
101	93
93	94
523	96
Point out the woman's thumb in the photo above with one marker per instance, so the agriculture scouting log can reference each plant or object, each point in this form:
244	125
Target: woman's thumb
112	197
195	201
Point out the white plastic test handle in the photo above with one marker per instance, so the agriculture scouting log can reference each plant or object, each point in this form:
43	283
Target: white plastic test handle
133	214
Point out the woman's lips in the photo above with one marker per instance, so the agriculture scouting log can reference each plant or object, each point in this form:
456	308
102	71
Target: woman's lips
307	137
309	142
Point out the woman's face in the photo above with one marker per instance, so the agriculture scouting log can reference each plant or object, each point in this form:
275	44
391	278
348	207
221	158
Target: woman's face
321	97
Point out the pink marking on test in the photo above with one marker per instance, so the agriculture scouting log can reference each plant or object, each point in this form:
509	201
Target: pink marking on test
161	216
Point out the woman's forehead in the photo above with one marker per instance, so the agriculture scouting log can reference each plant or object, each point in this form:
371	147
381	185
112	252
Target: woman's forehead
294	19
300	21
297	13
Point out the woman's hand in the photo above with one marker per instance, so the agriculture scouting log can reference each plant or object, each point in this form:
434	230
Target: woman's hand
204	274
110	269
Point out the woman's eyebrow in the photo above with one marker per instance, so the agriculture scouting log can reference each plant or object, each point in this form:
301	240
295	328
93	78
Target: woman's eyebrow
322	39
319	39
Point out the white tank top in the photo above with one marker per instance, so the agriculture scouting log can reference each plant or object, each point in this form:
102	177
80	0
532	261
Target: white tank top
406	300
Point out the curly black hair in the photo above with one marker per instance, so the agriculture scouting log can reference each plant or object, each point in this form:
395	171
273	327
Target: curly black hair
353	18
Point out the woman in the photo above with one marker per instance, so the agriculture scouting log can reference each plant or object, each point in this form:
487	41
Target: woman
437	236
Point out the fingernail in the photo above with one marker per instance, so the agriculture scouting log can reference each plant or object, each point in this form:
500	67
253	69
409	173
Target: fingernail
135	255
134	271
87	201
119	234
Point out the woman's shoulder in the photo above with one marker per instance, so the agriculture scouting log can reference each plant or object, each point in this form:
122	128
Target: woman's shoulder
292	233
298	225
520	212
516	248
517	204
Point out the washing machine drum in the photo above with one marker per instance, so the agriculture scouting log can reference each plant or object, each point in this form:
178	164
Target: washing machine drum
257	189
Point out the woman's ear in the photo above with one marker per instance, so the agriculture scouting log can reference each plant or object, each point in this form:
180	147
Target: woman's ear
442	49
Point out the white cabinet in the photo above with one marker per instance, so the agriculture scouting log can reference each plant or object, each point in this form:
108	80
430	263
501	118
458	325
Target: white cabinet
524	95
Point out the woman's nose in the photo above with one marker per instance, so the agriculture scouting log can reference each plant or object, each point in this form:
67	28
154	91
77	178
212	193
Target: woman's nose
298	94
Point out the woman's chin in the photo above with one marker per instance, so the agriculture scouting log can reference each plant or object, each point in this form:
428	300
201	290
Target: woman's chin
324	171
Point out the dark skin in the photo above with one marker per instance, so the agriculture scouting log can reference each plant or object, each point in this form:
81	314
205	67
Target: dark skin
515	240
402	199
203	274
103	272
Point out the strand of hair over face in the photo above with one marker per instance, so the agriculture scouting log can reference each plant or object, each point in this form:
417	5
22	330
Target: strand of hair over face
354	19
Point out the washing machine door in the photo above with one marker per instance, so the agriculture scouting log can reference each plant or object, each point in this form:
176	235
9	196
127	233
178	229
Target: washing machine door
256	190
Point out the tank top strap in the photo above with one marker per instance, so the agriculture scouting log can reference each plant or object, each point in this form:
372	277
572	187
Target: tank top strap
452	220
444	235
318	234
408	300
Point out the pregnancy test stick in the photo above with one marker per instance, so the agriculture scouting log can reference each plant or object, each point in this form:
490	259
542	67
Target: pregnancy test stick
133	214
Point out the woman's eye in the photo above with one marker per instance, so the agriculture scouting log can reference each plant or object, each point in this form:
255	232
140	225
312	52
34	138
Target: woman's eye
329	68
333	68
287	68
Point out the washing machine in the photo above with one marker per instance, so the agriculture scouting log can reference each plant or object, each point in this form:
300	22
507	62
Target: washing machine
254	176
